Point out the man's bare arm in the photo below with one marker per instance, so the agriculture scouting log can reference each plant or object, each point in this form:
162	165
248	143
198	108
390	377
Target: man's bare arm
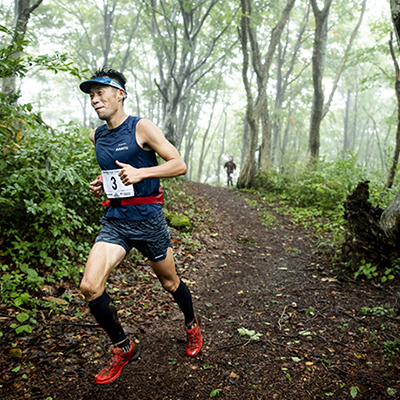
149	135
96	186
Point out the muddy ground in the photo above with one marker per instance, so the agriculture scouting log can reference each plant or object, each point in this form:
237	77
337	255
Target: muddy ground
317	332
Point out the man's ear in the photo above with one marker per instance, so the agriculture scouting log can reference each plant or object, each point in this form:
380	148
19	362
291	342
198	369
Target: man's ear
121	94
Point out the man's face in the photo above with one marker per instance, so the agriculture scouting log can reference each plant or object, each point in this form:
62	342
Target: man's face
105	100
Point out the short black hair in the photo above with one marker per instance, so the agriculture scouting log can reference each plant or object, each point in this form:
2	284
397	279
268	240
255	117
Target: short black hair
110	73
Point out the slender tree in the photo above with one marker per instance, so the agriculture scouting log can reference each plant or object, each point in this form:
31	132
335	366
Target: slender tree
22	12
286	61
396	21
258	110
185	48
319	109
318	65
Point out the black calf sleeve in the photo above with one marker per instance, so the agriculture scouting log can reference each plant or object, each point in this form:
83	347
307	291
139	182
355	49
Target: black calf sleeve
183	298
105	313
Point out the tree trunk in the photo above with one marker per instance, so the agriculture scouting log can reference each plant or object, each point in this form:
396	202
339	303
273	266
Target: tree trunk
395	11
248	171
259	110
180	72
22	11
318	64
282	83
219	162
344	59
355	118
346	139
319	110
203	143
393	167
262	71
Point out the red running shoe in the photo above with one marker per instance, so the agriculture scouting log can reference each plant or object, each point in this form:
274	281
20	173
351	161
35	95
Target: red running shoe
118	361
194	340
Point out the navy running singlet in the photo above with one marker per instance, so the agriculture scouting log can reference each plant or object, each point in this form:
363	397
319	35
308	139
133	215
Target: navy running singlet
120	144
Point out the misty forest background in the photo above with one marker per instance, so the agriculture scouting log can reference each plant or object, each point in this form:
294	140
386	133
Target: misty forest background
301	93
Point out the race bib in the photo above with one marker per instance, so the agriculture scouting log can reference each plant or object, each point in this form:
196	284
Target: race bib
113	186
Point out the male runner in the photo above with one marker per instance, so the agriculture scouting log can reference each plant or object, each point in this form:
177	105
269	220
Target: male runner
230	167
126	150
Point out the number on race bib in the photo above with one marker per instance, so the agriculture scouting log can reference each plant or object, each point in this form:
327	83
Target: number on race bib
113	186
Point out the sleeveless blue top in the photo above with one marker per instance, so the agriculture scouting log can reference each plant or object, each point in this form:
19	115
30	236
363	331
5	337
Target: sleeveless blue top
120	144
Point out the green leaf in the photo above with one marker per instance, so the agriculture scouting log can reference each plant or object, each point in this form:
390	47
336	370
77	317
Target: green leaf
16	369
24	328
22	317
252	334
354	391
215	392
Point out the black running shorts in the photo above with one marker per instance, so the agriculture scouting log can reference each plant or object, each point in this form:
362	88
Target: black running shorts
150	236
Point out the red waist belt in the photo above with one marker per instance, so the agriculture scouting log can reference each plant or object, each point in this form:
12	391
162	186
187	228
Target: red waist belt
133	201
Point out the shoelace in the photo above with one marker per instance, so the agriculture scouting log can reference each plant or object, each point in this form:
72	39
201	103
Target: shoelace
114	361
193	338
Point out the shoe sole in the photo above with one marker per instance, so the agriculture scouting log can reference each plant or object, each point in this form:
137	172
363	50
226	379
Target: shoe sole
134	357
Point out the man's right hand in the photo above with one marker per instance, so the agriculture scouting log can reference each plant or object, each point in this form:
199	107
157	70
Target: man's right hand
96	187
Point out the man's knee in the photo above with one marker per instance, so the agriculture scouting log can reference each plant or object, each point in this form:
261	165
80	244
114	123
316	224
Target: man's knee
170	284
90	289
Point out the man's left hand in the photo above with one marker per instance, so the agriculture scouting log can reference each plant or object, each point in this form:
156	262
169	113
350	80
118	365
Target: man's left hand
128	174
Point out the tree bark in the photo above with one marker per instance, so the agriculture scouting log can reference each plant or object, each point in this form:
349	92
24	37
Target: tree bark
203	143
180	72
395	11
262	71
319	110
344	59
283	82
221	153
346	134
258	111
248	171
22	12
396	153
318	64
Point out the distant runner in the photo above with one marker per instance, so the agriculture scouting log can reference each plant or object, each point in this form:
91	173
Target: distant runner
230	167
126	149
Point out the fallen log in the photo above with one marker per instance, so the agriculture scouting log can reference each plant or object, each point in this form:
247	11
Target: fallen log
390	221
365	238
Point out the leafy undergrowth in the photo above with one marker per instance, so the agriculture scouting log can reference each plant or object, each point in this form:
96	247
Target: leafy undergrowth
50	326
279	321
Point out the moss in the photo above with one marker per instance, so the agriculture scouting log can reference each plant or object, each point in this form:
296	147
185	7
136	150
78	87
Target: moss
181	222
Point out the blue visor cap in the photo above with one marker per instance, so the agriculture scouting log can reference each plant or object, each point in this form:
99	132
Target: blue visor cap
103	80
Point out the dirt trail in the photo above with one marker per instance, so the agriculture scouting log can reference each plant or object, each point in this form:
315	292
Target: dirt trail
315	343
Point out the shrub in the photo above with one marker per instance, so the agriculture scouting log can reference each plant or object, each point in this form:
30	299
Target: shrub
46	210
